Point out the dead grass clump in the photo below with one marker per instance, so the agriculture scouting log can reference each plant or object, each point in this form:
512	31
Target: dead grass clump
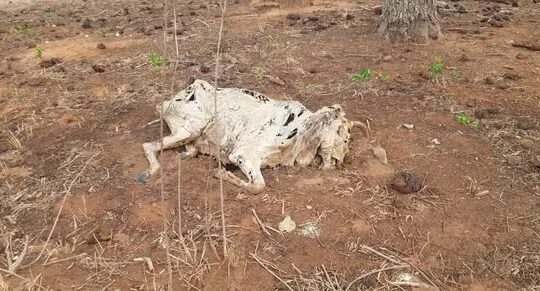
3	284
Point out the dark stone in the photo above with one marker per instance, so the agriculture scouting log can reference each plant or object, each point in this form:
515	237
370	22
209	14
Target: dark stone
293	17
98	68
101	46
86	24
204	69
50	62
406	183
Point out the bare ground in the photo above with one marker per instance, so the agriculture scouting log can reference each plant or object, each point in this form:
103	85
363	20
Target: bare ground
67	128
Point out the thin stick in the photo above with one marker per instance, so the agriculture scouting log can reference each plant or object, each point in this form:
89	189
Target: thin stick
260	222
375	272
371	250
13	267
218	151
175	30
64	259
270	271
22	278
163	211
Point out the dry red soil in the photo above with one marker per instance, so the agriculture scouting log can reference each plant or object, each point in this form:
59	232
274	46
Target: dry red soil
76	127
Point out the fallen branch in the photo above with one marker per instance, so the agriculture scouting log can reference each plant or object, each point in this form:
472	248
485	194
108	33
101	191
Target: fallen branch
259	222
375	272
270	271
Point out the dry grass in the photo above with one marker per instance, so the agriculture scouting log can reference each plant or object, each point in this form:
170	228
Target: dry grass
4	286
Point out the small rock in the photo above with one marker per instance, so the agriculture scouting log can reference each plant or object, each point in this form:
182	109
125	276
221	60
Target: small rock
408	126
387	58
525	124
489	81
470	103
287	225
349	16
380	153
101	46
309	207
50	62
98	68
204	69
242	68
86	24
377	10
435	141
406	183
464	58
158	27
59	69
511	76
293	17
503	86
521	56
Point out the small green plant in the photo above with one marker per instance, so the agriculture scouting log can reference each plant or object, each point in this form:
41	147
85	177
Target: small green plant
260	72
465	119
156	61
437	66
309	88
38	52
363	75
102	32
22	28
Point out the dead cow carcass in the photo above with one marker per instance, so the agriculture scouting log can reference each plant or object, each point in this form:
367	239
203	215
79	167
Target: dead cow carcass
251	131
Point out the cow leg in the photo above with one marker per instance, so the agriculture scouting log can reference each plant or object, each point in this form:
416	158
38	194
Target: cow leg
251	169
152	148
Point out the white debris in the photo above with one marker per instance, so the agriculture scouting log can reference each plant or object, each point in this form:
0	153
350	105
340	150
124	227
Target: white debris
287	225
310	229
408	125
147	261
309	207
380	153
435	141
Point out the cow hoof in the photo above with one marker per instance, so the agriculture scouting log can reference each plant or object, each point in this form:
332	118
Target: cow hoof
184	156
143	177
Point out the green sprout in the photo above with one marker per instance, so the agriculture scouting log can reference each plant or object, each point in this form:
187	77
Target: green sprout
465	119
38	52
309	88
22	28
155	60
363	75
102	32
437	66
260	72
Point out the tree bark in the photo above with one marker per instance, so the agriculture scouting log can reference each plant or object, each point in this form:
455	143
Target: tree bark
409	20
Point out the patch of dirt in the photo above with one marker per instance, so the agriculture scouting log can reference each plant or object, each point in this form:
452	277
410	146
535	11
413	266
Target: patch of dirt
78	125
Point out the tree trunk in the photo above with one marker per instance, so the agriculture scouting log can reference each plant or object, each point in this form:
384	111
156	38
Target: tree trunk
409	20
